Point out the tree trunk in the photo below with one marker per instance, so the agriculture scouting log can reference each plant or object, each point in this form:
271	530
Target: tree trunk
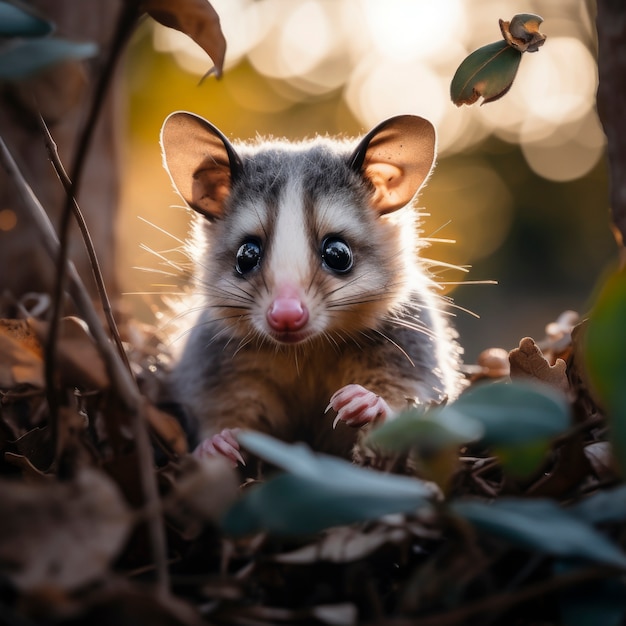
611	26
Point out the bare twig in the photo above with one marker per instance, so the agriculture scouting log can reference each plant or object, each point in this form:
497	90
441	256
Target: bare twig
125	26
91	252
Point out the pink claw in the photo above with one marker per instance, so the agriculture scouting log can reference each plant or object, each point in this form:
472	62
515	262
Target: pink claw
223	443
357	406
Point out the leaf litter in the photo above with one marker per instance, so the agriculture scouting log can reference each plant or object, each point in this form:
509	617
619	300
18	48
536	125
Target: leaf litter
72	536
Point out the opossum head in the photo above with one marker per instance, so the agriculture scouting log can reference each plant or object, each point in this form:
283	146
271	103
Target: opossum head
303	240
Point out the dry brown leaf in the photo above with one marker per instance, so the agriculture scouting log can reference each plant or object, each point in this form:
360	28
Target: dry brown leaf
197	19
62	535
527	361
79	361
167	428
21	360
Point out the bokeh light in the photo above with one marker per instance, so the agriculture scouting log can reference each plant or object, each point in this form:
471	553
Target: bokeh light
298	67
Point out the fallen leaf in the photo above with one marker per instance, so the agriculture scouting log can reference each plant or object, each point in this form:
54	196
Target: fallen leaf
62	535
21	355
79	361
167	428
196	19
527	361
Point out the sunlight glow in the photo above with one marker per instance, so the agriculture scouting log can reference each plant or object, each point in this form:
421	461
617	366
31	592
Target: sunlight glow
405	31
399	56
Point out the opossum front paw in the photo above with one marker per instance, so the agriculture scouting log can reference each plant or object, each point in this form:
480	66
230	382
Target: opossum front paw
223	443
357	406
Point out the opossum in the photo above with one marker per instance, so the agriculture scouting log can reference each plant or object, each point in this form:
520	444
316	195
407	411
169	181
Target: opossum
318	317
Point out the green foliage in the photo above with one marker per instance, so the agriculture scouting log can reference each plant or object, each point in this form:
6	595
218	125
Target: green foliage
606	358
541	525
516	420
515	414
29	50
436	429
488	72
317	492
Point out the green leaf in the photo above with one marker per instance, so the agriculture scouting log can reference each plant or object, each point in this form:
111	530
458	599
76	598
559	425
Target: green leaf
23	58
488	72
515	414
605	351
543	526
18	22
603	507
519	420
321	492
436	429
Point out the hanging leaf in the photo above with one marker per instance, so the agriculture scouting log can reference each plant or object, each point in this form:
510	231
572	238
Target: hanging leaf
543	526
490	71
196	19
23	58
21	21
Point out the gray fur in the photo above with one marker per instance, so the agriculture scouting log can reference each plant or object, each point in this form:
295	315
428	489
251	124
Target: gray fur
380	326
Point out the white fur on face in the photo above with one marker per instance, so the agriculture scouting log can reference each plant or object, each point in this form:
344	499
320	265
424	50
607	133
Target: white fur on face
290	260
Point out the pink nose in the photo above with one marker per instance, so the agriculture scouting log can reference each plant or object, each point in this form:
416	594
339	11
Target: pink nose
287	314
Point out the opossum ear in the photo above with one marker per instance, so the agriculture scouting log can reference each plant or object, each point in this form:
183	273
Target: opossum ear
396	157
200	160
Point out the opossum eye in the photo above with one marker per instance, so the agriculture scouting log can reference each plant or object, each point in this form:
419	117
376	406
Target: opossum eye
248	256
336	254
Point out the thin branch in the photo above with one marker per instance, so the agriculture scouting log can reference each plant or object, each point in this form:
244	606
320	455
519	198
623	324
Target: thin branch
91	252
125	26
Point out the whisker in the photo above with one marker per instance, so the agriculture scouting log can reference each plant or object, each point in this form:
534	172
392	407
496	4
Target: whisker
163	258
469	282
393	343
154	270
162	230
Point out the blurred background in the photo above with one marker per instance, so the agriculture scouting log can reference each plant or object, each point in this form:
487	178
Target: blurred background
520	185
